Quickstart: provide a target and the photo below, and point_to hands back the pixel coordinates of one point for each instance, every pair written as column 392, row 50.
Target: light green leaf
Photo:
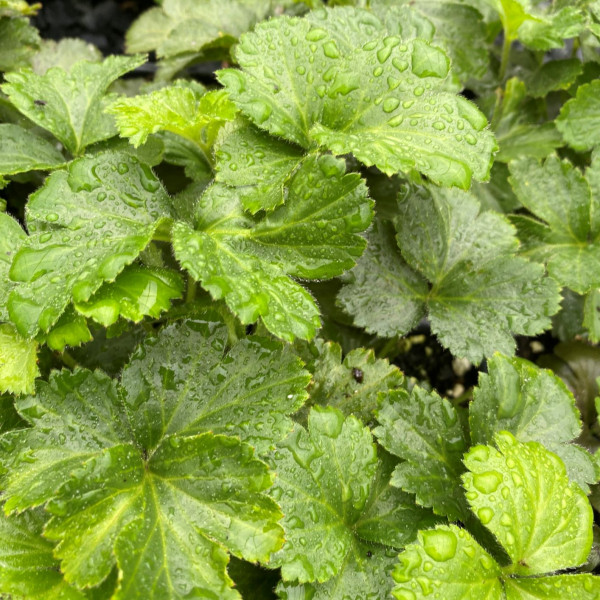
column 479, row 293
column 136, row 292
column 249, row 262
column 579, row 119
column 353, row 384
column 70, row 330
column 18, row 43
column 70, row 104
column 406, row 121
column 398, row 304
column 534, row 405
column 329, row 485
column 86, row 223
column 591, row 315
column 186, row 381
column 187, row 154
column 577, row 587
column 12, row 237
column 166, row 512
column 521, row 493
column 447, row 559
column 567, row 236
column 257, row 165
column 22, row 151
column 64, row 53
column 27, row 567
column 553, row 75
column 423, row 429
column 181, row 109
column 18, row 361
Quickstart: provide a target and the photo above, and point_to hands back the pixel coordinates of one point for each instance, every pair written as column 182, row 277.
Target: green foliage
column 255, row 343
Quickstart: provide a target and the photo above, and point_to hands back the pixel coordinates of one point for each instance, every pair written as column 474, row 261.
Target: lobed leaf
column 579, row 119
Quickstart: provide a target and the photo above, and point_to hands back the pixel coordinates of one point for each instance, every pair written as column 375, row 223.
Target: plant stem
column 191, row 289
column 506, row 45
column 162, row 233
column 68, row 360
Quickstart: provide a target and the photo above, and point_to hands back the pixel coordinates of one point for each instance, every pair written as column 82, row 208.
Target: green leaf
column 249, row 262
column 457, row 28
column 578, row 587
column 163, row 503
column 86, row 223
column 64, row 53
column 257, row 165
column 479, row 293
column 405, row 122
column 423, row 429
column 28, row 568
column 579, row 119
column 591, row 315
column 18, row 43
column 534, row 405
column 70, row 330
column 447, row 559
column 521, row 493
column 335, row 497
column 136, row 292
column 181, row 109
column 18, row 361
column 353, row 384
column 22, row 151
column 185, row 381
column 553, row 75
column 567, row 235
column 17, row 8
column 384, row 294
column 70, row 104
column 12, row 237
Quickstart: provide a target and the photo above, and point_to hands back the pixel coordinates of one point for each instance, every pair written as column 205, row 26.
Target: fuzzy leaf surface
column 565, row 233
column 70, row 105
column 301, row 81
column 23, row 150
column 248, row 262
column 164, row 504
column 335, row 494
column 532, row 404
column 521, row 493
column 579, row 119
column 136, row 292
column 18, row 361
column 423, row 429
column 86, row 224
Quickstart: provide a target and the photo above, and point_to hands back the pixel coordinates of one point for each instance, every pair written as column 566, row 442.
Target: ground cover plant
column 300, row 300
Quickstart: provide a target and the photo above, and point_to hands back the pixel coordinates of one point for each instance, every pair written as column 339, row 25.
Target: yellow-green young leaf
column 448, row 560
column 521, row 493
column 555, row 587
column 182, row 108
column 565, row 230
column 534, row 405
column 137, row 292
column 258, row 166
column 479, row 293
column 18, row 361
column 336, row 498
column 12, row 237
column 86, row 224
column 140, row 477
column 70, row 105
column 424, row 431
column 27, row 567
column 22, row 151
column 579, row 119
column 248, row 262
column 17, row 8
column 18, row 43
column 353, row 384
column 304, row 80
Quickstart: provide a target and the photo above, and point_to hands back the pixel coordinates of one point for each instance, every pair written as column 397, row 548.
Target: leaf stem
column 190, row 294
column 506, row 45
column 68, row 360
column 162, row 233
